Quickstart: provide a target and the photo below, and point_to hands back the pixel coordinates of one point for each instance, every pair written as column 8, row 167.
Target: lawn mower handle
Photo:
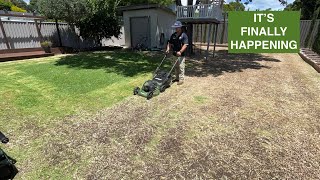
column 155, row 72
column 174, row 66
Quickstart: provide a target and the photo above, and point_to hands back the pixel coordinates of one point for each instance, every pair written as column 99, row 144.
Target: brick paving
column 311, row 58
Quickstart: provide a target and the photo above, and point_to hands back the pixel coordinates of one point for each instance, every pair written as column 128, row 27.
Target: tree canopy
column 234, row 6
column 100, row 21
column 68, row 10
column 133, row 2
column 13, row 5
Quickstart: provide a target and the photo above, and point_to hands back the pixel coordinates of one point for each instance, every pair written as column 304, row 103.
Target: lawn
column 54, row 87
column 238, row 116
column 37, row 94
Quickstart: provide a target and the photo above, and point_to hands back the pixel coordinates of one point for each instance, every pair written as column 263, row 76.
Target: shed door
column 140, row 31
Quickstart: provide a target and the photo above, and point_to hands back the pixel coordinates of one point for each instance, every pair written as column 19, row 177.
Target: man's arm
column 185, row 45
column 168, row 47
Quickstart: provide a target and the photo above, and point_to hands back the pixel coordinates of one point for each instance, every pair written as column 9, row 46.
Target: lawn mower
column 159, row 83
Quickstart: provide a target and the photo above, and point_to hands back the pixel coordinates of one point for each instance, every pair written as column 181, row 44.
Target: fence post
column 215, row 40
column 208, row 39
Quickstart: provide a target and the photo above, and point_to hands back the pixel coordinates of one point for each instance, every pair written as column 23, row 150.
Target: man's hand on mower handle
column 167, row 51
column 178, row 53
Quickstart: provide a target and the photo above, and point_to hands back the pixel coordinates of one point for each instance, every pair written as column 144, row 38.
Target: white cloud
column 264, row 4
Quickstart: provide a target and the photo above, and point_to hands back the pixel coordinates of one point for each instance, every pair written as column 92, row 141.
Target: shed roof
column 145, row 6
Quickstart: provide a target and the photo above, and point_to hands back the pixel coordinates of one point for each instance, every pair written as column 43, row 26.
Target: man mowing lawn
column 178, row 43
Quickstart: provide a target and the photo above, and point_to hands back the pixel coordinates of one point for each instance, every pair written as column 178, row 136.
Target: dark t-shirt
column 178, row 42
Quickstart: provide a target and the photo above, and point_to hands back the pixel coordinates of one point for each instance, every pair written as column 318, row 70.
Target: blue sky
column 256, row 4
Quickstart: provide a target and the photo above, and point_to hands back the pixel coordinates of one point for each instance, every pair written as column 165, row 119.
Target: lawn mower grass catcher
column 159, row 83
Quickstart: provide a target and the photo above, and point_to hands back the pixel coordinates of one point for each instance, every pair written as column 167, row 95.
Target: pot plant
column 46, row 45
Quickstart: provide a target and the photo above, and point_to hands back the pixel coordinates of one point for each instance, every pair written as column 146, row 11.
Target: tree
column 67, row 10
column 161, row 2
column 308, row 8
column 233, row 6
column 33, row 6
column 316, row 14
column 20, row 4
column 100, row 21
column 17, row 9
column 5, row 5
column 295, row 6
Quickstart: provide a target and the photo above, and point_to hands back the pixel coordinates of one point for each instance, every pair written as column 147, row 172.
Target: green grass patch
column 41, row 93
column 65, row 85
column 200, row 99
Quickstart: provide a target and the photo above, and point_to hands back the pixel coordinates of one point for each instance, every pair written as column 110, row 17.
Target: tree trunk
column 221, row 4
column 58, row 31
column 190, row 34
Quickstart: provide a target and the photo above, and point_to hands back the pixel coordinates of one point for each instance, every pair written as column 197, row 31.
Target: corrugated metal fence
column 23, row 34
column 200, row 32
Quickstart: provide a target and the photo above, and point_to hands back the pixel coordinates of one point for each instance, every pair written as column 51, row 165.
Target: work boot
column 180, row 83
column 175, row 80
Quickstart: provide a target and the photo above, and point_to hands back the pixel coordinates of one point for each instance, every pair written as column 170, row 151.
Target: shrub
column 17, row 9
column 46, row 44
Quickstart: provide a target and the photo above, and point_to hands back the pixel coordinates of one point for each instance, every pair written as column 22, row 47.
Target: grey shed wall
column 165, row 21
column 160, row 22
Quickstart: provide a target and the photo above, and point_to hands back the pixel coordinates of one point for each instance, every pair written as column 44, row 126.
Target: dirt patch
column 236, row 117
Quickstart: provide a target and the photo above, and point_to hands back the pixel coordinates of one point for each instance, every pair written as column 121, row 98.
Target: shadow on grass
column 120, row 62
column 131, row 63
column 225, row 63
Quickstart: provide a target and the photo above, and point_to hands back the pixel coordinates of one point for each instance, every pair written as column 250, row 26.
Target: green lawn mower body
column 154, row 87
column 158, row 84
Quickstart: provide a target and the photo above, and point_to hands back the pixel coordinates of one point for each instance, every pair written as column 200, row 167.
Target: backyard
column 237, row 116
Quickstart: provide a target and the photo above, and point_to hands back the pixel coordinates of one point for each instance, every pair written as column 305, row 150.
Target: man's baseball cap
column 177, row 24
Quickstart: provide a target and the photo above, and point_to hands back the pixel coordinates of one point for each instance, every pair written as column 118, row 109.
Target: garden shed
column 149, row 25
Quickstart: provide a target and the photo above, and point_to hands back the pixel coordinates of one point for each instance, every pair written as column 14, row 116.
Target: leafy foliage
column 234, row 6
column 17, row 9
column 100, row 21
column 295, row 6
column 33, row 6
column 20, row 3
column 5, row 5
column 308, row 8
column 133, row 2
column 69, row 11
column 13, row 5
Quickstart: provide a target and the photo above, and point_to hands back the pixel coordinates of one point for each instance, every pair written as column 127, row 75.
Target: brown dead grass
column 236, row 117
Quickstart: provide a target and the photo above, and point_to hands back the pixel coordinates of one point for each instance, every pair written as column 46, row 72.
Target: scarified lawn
column 237, row 116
